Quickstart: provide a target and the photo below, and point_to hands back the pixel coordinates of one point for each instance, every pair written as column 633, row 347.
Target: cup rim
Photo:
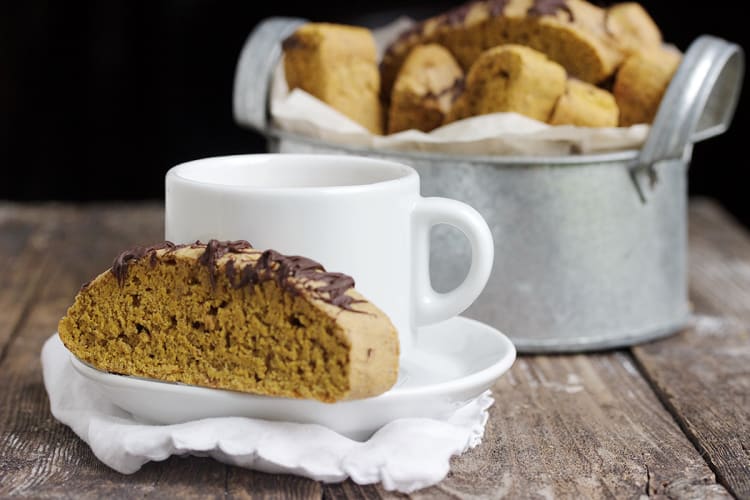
column 401, row 173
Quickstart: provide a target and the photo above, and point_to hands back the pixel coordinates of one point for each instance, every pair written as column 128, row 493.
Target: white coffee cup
column 360, row 216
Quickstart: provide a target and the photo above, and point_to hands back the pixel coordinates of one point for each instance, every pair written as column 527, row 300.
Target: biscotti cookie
column 425, row 89
column 225, row 315
column 641, row 82
column 571, row 32
column 632, row 28
column 337, row 64
column 585, row 105
column 511, row 78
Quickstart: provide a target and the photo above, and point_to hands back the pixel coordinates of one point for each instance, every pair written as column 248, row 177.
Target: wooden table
column 669, row 418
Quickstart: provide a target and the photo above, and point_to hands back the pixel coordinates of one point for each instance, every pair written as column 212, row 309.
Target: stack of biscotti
column 515, row 78
column 557, row 61
column 225, row 315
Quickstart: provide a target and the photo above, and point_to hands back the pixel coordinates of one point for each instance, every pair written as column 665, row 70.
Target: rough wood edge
column 45, row 217
column 717, row 221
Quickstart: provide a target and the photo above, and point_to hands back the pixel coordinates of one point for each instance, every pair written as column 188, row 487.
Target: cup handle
column 432, row 306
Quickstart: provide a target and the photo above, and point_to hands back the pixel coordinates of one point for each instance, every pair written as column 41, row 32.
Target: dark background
column 99, row 99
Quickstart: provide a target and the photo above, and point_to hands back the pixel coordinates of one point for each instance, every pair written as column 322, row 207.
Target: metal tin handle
column 699, row 103
column 255, row 69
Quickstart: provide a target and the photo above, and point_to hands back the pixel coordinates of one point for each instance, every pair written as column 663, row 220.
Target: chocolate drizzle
column 457, row 16
column 414, row 30
column 292, row 42
column 122, row 261
column 454, row 90
column 336, row 287
column 550, row 8
column 292, row 273
column 497, row 7
column 217, row 249
column 459, row 86
column 453, row 17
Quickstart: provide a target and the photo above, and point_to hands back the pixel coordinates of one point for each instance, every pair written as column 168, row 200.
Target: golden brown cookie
column 425, row 89
column 632, row 28
column 227, row 316
column 570, row 32
column 511, row 78
column 641, row 82
column 585, row 105
column 337, row 64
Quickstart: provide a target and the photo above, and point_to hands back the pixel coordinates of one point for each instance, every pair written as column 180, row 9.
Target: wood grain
column 578, row 427
column 703, row 374
column 581, row 426
column 24, row 235
column 246, row 484
column 348, row 490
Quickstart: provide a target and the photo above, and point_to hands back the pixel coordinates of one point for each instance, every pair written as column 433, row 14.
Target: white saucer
column 455, row 361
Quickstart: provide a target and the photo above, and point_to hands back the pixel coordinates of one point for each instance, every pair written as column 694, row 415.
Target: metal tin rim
column 629, row 156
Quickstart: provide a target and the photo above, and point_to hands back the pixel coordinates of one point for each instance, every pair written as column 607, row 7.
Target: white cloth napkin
column 404, row 455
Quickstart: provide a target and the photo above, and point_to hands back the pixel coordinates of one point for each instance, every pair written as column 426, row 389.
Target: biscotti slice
column 632, row 28
column 425, row 89
column 511, row 78
column 585, row 105
column 570, row 32
column 641, row 82
column 227, row 316
column 337, row 64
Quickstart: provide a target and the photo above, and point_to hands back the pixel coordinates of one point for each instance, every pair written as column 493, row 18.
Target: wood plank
column 246, row 484
column 24, row 235
column 348, row 490
column 719, row 259
column 578, row 427
column 702, row 374
column 41, row 457
column 185, row 478
column 573, row 426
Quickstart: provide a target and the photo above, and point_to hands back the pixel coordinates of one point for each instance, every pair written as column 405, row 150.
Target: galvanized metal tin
column 591, row 250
